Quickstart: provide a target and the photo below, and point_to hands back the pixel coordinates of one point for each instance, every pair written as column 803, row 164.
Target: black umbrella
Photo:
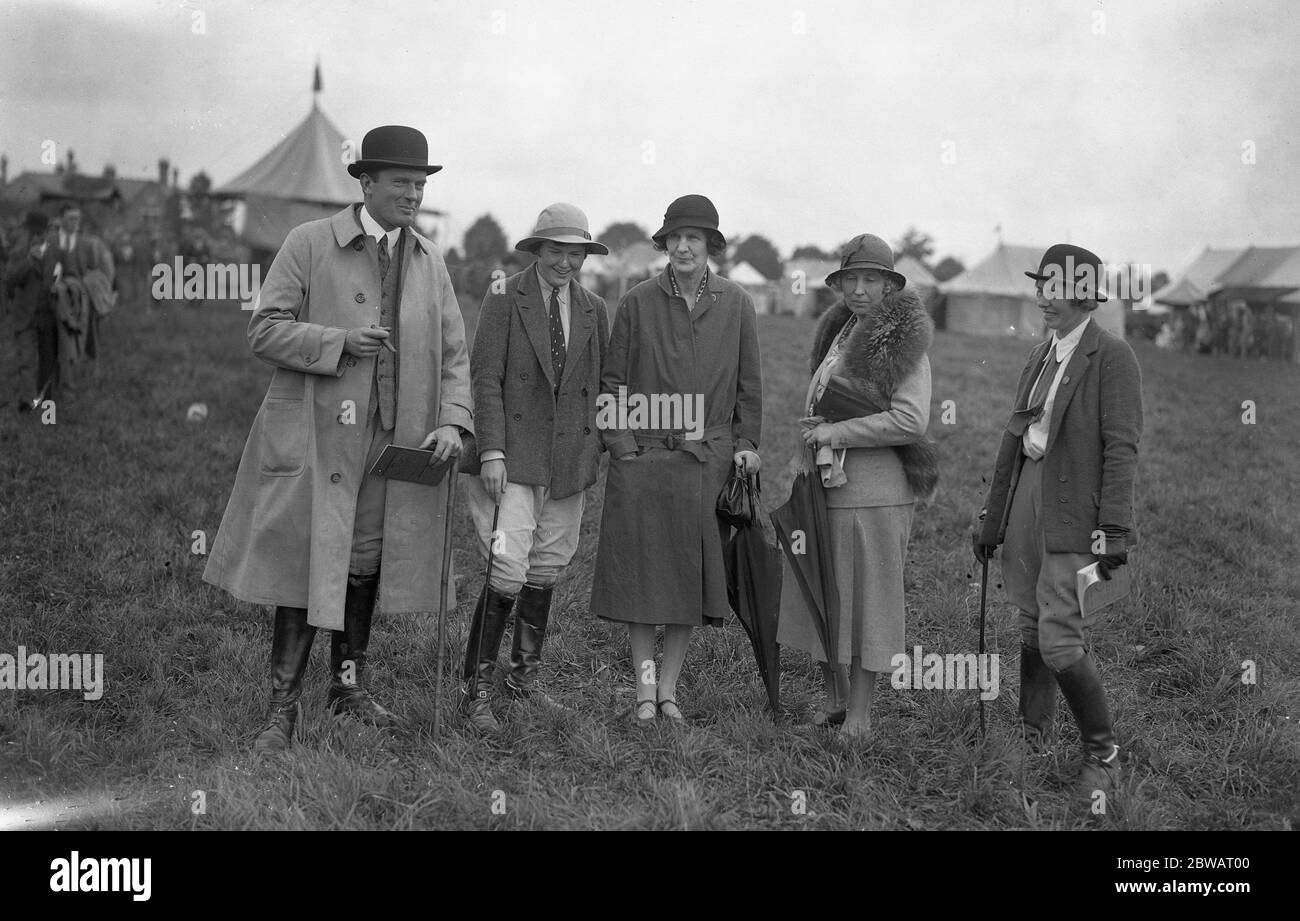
column 754, row 591
column 802, row 526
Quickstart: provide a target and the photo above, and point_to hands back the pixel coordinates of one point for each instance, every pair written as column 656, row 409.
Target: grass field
column 95, row 556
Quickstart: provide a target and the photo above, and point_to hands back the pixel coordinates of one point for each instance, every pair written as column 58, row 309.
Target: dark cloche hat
column 393, row 145
column 689, row 211
column 867, row 251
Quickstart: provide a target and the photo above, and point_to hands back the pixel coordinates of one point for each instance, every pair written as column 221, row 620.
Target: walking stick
column 984, row 596
column 442, row 592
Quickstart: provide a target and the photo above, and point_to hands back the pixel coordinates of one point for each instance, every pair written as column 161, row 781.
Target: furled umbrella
column 754, row 591
column 803, row 528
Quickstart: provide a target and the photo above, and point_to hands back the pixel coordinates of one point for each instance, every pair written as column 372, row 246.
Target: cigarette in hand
column 384, row 342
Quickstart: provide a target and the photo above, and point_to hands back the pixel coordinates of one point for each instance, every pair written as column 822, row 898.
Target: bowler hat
column 392, row 145
column 561, row 223
column 867, row 251
column 689, row 211
column 1078, row 269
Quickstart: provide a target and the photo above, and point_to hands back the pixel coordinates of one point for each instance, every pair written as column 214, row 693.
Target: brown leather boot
column 532, row 611
column 1083, row 691
column 290, row 650
column 485, row 631
column 348, row 695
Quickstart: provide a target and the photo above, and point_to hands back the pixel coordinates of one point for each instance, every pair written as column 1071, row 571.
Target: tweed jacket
column 549, row 439
column 1090, row 465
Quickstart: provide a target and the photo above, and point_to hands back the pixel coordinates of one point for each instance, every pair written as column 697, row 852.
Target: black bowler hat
column 689, row 211
column 393, row 145
column 1069, row 262
column 36, row 222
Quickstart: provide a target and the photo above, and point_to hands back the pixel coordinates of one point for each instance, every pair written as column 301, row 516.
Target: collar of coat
column 347, row 227
column 526, row 284
column 881, row 349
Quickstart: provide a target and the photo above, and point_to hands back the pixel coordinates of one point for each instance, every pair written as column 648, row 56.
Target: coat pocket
column 284, row 437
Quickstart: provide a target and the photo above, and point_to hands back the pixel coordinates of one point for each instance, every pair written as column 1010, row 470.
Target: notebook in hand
column 1096, row 593
column 415, row 465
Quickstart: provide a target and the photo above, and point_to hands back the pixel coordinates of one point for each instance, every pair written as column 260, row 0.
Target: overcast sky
column 1121, row 126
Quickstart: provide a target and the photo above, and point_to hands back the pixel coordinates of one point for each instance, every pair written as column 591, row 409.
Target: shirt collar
column 1065, row 346
column 372, row 229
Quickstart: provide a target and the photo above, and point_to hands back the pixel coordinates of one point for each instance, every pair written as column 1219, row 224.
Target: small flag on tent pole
column 315, row 84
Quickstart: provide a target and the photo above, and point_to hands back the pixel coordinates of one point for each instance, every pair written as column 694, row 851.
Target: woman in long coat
column 873, row 469
column 686, row 338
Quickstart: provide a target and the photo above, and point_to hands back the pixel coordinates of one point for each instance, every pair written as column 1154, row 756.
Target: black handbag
column 737, row 503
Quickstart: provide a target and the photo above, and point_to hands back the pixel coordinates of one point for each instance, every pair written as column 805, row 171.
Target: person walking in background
column 1061, row 489
column 31, row 324
column 536, row 363
column 691, row 336
column 358, row 318
column 875, row 338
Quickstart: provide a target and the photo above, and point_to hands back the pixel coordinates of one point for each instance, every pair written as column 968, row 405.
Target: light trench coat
column 286, row 537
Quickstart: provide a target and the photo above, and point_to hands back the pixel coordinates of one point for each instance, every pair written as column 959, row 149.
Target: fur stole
column 880, row 351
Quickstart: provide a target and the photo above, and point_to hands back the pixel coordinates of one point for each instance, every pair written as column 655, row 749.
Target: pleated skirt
column 869, row 551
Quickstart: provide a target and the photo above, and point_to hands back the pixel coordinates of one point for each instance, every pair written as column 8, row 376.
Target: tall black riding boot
column 532, row 610
column 1083, row 691
column 1037, row 698
column 290, row 649
column 348, row 694
column 481, row 648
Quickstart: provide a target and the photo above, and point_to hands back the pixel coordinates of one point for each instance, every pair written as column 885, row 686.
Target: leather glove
column 1117, row 557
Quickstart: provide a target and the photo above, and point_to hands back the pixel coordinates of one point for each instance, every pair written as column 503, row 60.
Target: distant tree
column 1158, row 281
column 204, row 213
column 622, row 234
column 948, row 268
column 452, row 256
column 485, row 241
column 809, row 251
column 759, row 252
column 920, row 246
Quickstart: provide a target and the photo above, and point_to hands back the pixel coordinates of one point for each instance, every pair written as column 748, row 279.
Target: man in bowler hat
column 537, row 358
column 1062, row 498
column 359, row 320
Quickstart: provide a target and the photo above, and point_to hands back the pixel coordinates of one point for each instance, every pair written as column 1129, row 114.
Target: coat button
column 523, row 375
column 1066, row 379
column 584, row 391
column 517, row 417
column 360, row 298
column 334, row 477
column 586, row 430
column 1062, row 499
column 1062, row 479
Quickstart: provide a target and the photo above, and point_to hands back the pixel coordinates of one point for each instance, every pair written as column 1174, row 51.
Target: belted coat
column 660, row 555
column 286, row 536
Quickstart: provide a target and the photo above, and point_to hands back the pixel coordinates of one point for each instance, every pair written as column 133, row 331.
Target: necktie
column 557, row 337
column 384, row 260
column 1038, row 398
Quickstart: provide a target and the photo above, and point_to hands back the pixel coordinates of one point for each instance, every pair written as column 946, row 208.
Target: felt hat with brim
column 561, row 223
column 1078, row 271
column 392, row 146
column 690, row 211
column 867, row 251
